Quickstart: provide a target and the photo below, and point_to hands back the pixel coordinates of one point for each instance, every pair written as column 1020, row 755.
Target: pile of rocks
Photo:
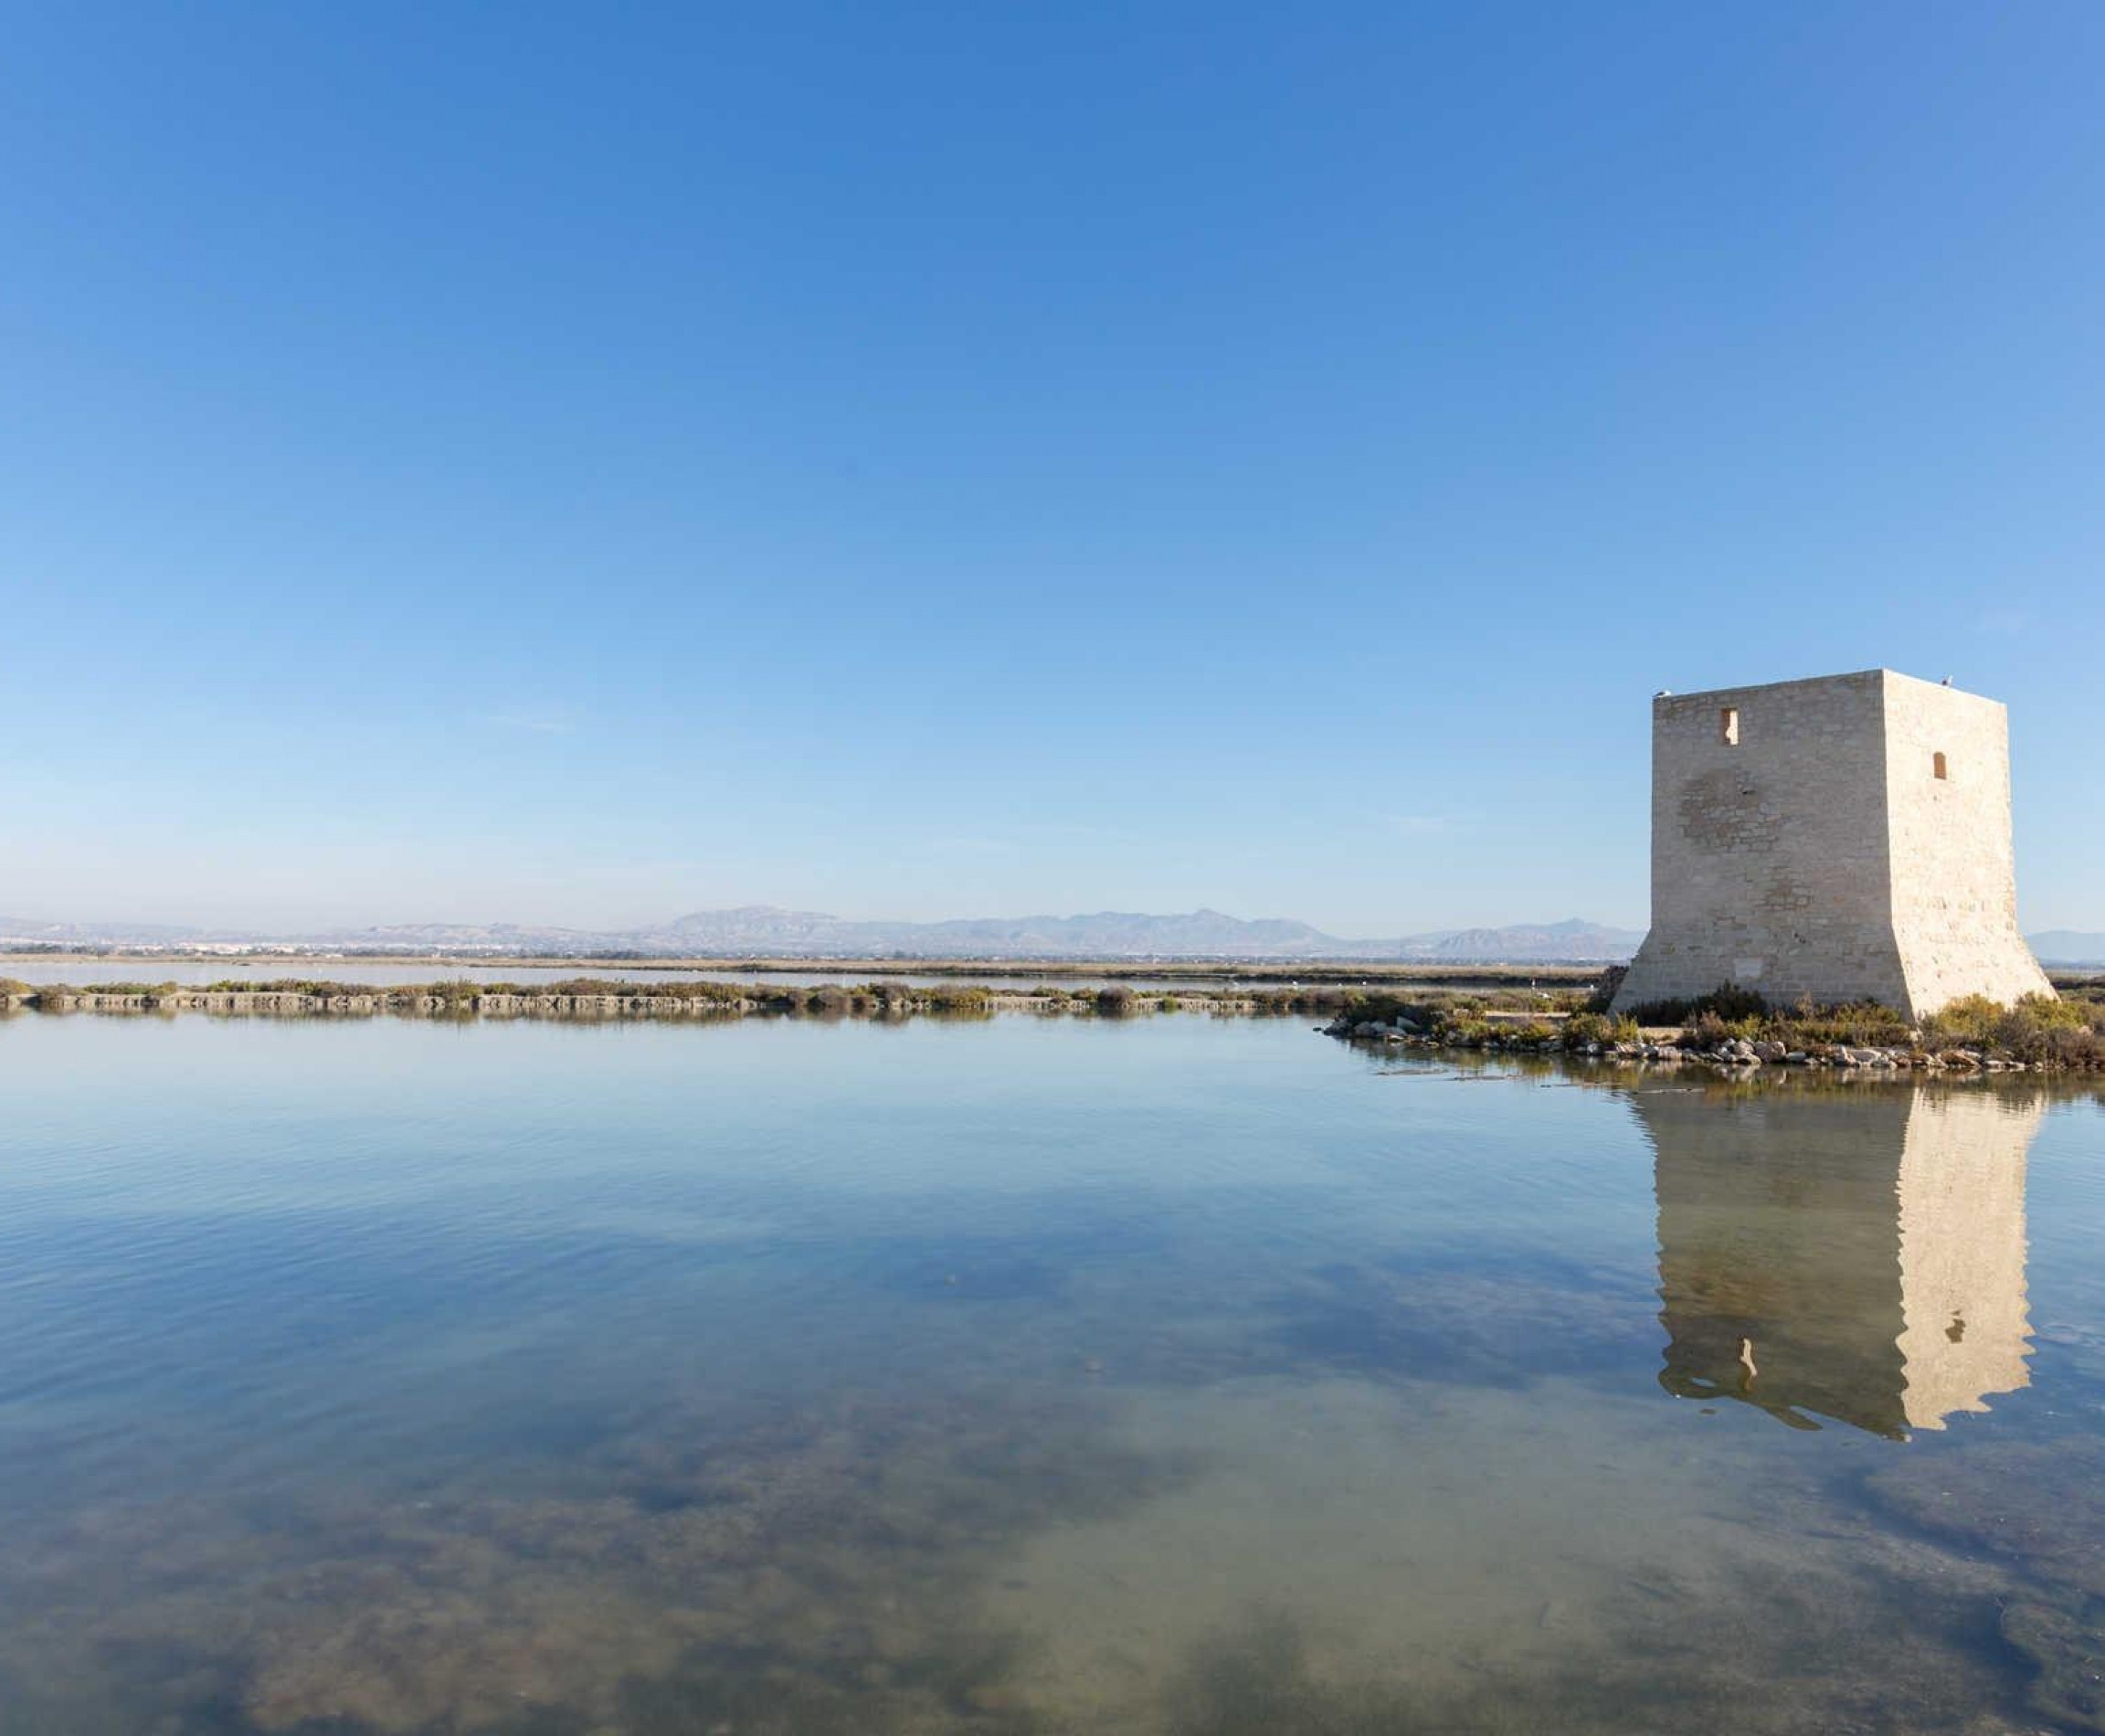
column 1515, row 1040
column 1372, row 1030
column 1741, row 1053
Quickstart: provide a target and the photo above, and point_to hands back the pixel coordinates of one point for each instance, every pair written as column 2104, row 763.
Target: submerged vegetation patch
column 1834, row 1650
column 2030, row 1510
column 1446, row 1322
column 804, row 1571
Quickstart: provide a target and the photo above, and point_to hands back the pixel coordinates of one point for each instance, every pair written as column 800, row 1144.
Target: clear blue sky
column 584, row 464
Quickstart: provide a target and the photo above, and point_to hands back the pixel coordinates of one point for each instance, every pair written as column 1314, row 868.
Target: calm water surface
column 1178, row 1377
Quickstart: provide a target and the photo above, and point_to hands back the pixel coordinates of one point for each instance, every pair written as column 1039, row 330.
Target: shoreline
column 1452, row 1030
column 599, row 999
column 1735, row 1059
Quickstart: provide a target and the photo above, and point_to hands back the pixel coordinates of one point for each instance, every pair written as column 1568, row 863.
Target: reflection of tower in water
column 1858, row 1255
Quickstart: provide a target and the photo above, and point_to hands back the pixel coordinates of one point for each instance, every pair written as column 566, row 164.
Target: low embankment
column 1733, row 1030
column 1728, row 1030
column 613, row 998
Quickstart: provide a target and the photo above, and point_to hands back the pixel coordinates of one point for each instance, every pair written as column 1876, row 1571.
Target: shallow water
column 1168, row 1376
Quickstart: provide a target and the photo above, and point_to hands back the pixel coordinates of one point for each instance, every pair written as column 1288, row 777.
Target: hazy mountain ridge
column 29, row 931
column 768, row 931
column 1574, row 939
column 1108, row 934
column 2067, row 946
column 756, row 931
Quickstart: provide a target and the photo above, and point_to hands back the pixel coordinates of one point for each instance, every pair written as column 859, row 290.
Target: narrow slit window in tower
column 1729, row 727
column 1938, row 768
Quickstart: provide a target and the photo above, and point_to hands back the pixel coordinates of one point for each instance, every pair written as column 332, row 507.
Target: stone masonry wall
column 1955, row 880
column 1817, row 855
column 1769, row 856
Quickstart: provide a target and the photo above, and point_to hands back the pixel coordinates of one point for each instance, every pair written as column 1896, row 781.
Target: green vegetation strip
column 1734, row 1028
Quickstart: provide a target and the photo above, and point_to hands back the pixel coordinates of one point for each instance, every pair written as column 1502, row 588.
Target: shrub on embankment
column 317, row 986
column 1520, row 1018
column 2039, row 1030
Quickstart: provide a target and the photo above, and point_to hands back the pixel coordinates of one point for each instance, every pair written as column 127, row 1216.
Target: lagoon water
column 1178, row 1376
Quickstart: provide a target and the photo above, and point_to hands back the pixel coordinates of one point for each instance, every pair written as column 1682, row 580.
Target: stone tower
column 1844, row 839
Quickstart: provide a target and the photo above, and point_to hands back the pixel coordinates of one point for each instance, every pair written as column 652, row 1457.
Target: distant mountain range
column 757, row 931
column 22, row 931
column 2067, row 946
column 766, row 931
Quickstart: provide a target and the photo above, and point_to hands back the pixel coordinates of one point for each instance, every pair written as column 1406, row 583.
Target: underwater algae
column 809, row 1571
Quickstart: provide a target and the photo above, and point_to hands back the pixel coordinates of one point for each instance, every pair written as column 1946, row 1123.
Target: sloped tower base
column 1916, row 980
